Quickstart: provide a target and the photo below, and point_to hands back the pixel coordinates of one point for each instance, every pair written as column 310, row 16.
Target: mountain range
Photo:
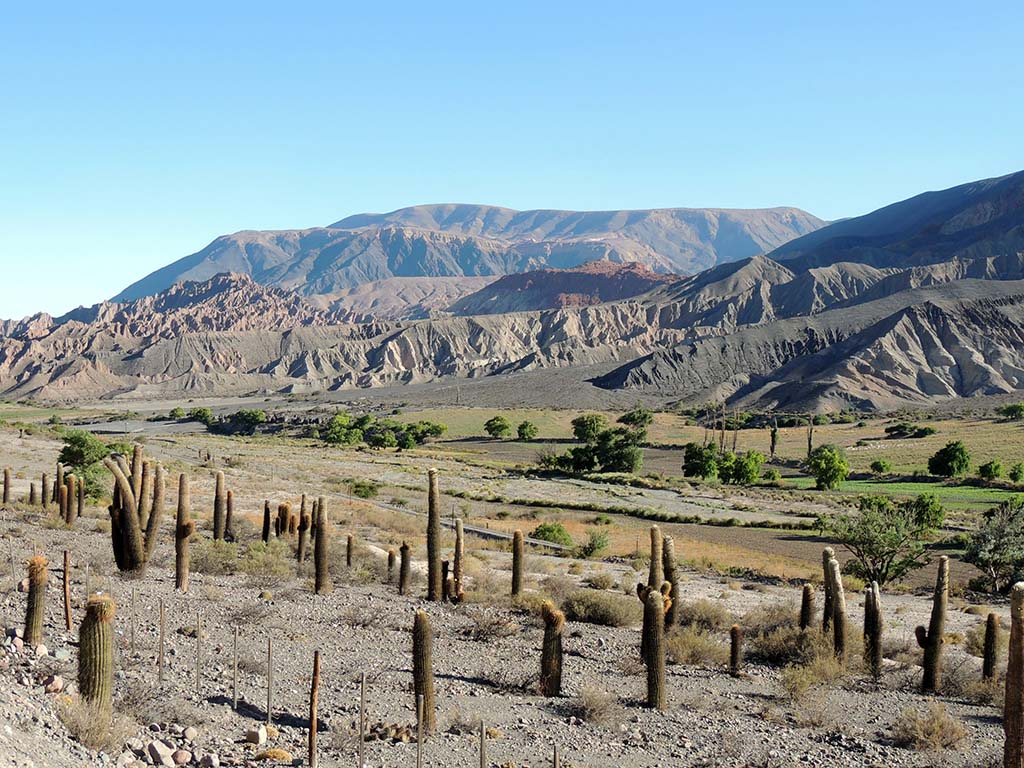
column 917, row 303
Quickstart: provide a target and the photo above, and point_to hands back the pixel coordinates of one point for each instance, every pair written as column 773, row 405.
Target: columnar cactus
column 551, row 650
column 146, row 490
column 219, row 508
column 81, row 497
column 656, row 574
column 45, row 489
column 7, row 485
column 807, row 606
column 931, row 639
column 873, row 629
column 293, row 522
column 37, row 578
column 423, row 668
column 305, row 523
column 32, row 498
column 446, row 583
column 132, row 544
column 183, row 529
column 392, row 556
column 988, row 668
column 458, row 567
column 59, row 481
column 517, row 563
column 156, row 510
column 838, row 610
column 266, row 522
column 62, row 503
column 72, row 500
column 668, row 557
column 735, row 650
column 1013, row 704
column 322, row 578
column 404, row 569
column 349, row 546
column 827, row 555
column 653, row 643
column 96, row 653
column 434, row 585
column 229, row 515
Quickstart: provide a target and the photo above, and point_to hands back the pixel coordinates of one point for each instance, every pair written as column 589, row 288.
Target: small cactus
column 183, row 529
column 7, row 485
column 219, row 508
column 1013, row 704
column 45, row 491
column 349, row 546
column 423, row 668
column 446, row 583
column 932, row 639
column 81, row 497
column 807, row 606
column 62, row 503
column 265, row 535
column 305, row 523
column 653, row 643
column 96, row 653
column 656, row 574
column 873, row 629
column 405, row 569
column 517, row 563
column 32, row 498
column 322, row 580
column 838, row 610
column 551, row 650
column 827, row 555
column 736, row 650
column 434, row 584
column 392, row 556
column 36, row 608
column 988, row 669
column 668, row 557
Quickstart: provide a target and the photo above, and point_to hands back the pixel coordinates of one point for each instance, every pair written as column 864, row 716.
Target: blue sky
column 132, row 134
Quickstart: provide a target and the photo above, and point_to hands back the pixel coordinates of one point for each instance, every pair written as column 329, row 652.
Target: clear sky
column 133, row 133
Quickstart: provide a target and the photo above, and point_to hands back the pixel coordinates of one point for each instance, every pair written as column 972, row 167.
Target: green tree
column 618, row 450
column 638, row 419
column 828, row 466
column 176, row 414
column 886, row 539
column 381, row 437
column 527, row 430
column 83, row 455
column 746, row 468
column 991, row 470
column 1017, row 472
column 1012, row 411
column 246, row 421
column 587, row 427
column 340, row 431
column 700, row 461
column 881, row 467
column 497, row 427
column 202, row 415
column 952, row 460
column 997, row 547
column 553, row 532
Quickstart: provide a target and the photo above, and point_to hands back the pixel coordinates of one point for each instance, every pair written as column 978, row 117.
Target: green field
column 965, row 497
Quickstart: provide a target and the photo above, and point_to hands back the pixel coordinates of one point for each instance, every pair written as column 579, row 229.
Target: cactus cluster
column 134, row 518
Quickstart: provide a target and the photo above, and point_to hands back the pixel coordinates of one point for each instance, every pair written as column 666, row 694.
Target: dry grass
column 933, row 729
column 695, row 646
column 485, row 625
column 91, row 728
column 705, row 615
column 600, row 580
column 822, row 669
column 596, row 705
column 604, row 608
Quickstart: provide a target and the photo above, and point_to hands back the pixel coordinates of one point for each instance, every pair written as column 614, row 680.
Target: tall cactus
column 434, row 585
column 404, row 569
column 668, row 557
column 7, row 485
column 931, row 639
column 45, row 491
column 654, row 649
column 145, row 492
column 656, row 574
column 1013, row 704
column 62, row 503
column 219, row 507
column 81, row 497
column 96, row 653
column 183, row 529
column 838, row 610
column 806, row 606
column 38, row 575
column 229, row 517
column 265, row 535
column 72, row 500
column 551, row 650
column 305, row 523
column 873, row 629
column 517, row 563
column 423, row 668
column 458, row 566
column 58, row 482
column 392, row 557
column 988, row 668
column 322, row 577
column 349, row 547
column 132, row 542
column 735, row 650
column 32, row 498
column 827, row 555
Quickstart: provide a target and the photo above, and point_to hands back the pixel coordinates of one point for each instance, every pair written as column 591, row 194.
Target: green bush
column 527, row 430
column 881, row 467
column 553, row 532
column 597, row 542
column 364, row 489
column 991, row 470
column 952, row 460
column 176, row 414
column 828, row 466
column 1017, row 472
column 604, row 608
column 498, row 427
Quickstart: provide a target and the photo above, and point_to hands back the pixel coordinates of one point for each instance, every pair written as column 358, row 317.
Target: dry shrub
column 217, row 558
column 705, row 615
column 695, row 646
column 600, row 580
column 932, row 730
column 354, row 616
column 272, row 560
column 822, row 669
column 773, row 636
column 962, row 680
column 596, row 705
column 559, row 587
column 485, row 625
column 88, row 726
column 974, row 641
column 604, row 608
column 148, row 704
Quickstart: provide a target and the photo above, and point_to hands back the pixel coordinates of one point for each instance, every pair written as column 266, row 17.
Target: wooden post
column 554, row 760
column 483, row 744
column 234, row 671
column 270, row 676
column 160, row 655
column 314, row 692
column 362, row 717
column 419, row 731
column 67, row 590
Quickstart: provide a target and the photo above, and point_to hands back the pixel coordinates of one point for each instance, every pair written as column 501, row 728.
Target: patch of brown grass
column 695, row 646
column 92, row 728
column 933, row 729
column 596, row 705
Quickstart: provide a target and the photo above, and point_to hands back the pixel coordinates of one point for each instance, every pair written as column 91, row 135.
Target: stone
column 125, row 758
column 272, row 732
column 23, row 585
column 190, row 733
column 160, row 754
column 41, row 650
column 181, row 756
column 53, row 684
column 257, row 735
column 210, row 760
column 62, row 654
